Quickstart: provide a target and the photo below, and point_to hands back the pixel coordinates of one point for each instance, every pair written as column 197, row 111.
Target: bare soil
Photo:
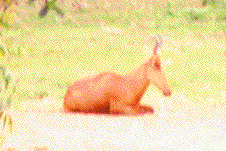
column 166, row 129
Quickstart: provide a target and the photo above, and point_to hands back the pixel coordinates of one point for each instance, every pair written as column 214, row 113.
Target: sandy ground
column 163, row 130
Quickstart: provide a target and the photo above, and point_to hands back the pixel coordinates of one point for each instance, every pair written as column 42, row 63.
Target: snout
column 167, row 92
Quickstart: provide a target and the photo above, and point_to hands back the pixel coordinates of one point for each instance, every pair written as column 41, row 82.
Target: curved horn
column 158, row 42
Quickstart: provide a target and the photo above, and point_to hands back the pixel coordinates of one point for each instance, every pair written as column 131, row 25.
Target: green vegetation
column 50, row 53
column 7, row 90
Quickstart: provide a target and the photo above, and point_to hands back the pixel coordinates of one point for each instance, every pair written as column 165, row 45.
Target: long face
column 157, row 76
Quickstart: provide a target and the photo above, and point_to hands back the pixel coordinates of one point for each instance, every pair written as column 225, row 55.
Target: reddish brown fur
column 110, row 93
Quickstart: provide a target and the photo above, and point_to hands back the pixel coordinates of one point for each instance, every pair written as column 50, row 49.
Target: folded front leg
column 125, row 110
column 146, row 109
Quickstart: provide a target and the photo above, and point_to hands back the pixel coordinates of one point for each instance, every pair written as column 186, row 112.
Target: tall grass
column 7, row 90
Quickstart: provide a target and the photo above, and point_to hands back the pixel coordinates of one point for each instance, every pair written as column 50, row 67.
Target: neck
column 138, row 81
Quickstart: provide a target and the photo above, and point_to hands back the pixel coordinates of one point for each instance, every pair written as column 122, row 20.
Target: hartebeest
column 110, row 93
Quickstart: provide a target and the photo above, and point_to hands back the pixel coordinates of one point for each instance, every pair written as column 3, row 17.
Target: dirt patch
column 60, row 131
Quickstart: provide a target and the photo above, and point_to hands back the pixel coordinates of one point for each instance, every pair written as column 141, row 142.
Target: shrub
column 7, row 90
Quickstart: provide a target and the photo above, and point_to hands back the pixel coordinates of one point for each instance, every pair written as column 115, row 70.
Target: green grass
column 53, row 57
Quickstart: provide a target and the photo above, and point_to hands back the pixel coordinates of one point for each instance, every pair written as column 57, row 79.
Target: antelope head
column 155, row 72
